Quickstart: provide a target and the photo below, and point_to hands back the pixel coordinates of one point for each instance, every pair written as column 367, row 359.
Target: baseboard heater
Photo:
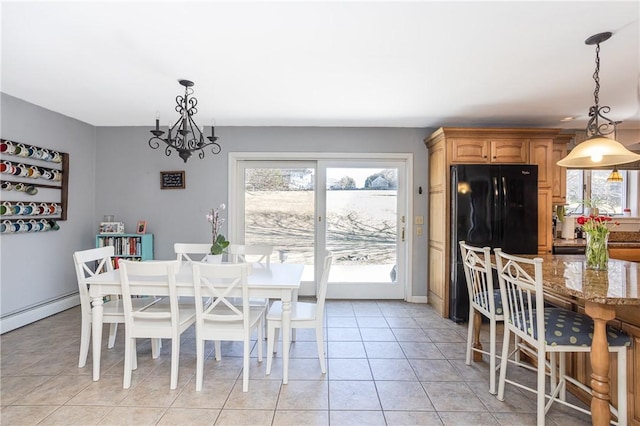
column 38, row 311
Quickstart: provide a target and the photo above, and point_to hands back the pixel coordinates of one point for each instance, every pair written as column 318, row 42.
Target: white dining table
column 276, row 281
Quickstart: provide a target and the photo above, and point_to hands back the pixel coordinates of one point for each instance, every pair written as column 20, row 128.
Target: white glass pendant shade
column 598, row 151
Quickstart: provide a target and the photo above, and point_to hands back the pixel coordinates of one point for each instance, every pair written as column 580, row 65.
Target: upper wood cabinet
column 475, row 150
column 559, row 175
column 541, row 154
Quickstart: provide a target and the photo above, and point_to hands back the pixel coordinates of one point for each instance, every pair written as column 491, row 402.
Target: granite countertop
column 567, row 275
column 616, row 240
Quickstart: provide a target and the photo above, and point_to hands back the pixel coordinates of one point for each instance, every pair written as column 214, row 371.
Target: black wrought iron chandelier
column 185, row 136
column 598, row 150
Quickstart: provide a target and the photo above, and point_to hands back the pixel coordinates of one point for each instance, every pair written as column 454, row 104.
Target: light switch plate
column 419, row 220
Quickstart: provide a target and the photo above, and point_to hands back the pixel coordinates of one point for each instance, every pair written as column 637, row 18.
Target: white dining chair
column 191, row 252
column 552, row 331
column 223, row 319
column 483, row 298
column 254, row 253
column 89, row 263
column 159, row 321
column 305, row 315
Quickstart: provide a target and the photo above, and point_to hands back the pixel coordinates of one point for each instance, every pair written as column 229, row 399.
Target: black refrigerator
column 494, row 206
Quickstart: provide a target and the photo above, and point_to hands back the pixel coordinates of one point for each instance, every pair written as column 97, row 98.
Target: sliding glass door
column 356, row 209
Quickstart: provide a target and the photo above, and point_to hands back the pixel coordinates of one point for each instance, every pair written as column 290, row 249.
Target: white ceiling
column 339, row 63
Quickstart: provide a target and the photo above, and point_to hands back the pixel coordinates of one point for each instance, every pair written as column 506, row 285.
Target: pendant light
column 615, row 175
column 598, row 150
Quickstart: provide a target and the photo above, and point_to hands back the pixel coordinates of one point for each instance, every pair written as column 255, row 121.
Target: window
column 609, row 197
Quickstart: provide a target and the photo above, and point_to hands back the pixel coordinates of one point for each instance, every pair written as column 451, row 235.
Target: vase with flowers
column 597, row 229
column 218, row 240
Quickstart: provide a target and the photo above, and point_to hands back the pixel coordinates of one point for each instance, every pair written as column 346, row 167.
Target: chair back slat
column 255, row 253
column 521, row 288
column 479, row 277
column 144, row 273
column 89, row 263
column 323, row 284
column 191, row 252
column 220, row 281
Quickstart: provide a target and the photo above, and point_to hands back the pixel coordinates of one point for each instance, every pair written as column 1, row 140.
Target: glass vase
column 596, row 250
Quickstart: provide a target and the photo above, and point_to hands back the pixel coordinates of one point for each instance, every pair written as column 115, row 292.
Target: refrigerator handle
column 504, row 207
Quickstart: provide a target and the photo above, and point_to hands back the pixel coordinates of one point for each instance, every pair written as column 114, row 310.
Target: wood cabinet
column 545, row 225
column 449, row 146
column 483, row 151
column 559, row 174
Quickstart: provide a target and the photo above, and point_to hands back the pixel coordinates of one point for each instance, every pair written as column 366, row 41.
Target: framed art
column 142, row 227
column 172, row 180
column 111, row 228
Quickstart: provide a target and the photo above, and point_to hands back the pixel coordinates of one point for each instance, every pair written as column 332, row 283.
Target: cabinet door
column 510, row 151
column 559, row 176
column 541, row 154
column 469, row 150
column 544, row 221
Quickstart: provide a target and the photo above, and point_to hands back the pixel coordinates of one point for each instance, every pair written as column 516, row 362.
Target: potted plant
column 218, row 241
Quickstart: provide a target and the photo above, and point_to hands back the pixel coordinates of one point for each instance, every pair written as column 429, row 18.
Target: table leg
column 96, row 331
column 286, row 335
column 600, row 388
column 477, row 322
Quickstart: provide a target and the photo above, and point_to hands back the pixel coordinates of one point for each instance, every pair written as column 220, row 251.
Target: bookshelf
column 128, row 246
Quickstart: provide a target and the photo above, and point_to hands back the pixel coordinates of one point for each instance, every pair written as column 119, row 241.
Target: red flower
column 581, row 220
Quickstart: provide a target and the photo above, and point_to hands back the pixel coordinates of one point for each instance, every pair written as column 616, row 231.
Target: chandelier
column 184, row 136
column 598, row 150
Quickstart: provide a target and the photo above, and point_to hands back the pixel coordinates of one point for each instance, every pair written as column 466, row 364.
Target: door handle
column 402, row 234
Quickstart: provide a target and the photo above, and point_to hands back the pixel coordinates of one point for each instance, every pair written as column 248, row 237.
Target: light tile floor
column 389, row 362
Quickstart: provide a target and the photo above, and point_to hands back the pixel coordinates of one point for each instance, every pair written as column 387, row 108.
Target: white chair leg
column 540, row 399
column 271, row 331
column 492, row 357
column 259, row 343
column 85, row 339
column 175, row 360
column 503, row 364
column 216, row 345
column 275, row 340
column 563, row 373
column 245, row 366
column 134, row 355
column 129, row 345
column 199, row 364
column 622, row 387
column 113, row 331
column 470, row 336
column 516, row 356
column 156, row 345
column 320, row 344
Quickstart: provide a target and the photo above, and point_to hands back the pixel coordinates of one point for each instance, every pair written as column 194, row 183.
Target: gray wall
column 37, row 267
column 128, row 177
column 113, row 171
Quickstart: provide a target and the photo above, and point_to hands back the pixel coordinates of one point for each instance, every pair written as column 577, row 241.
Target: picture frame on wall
column 111, row 228
column 142, row 227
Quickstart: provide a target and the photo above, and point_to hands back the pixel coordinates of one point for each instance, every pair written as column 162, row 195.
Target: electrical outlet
column 419, row 220
column 418, row 230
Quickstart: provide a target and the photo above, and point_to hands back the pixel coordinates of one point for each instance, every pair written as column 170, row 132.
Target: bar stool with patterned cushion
column 564, row 332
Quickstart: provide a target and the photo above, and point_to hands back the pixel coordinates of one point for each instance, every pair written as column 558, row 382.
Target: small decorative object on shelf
column 218, row 241
column 597, row 230
column 111, row 228
column 142, row 227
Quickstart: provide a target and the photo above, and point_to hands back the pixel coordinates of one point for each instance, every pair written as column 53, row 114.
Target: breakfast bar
column 601, row 294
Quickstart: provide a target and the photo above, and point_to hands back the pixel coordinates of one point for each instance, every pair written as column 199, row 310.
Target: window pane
column 607, row 196
column 575, row 195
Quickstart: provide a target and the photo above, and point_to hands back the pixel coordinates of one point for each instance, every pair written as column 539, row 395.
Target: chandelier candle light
column 597, row 229
column 184, row 136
